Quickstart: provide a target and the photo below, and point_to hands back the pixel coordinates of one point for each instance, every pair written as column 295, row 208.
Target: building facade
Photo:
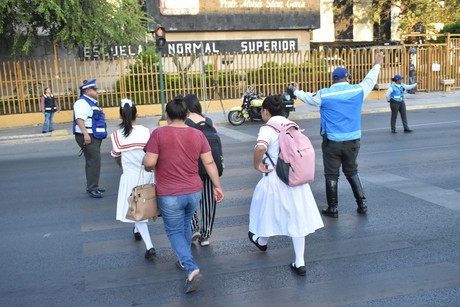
column 268, row 25
column 214, row 26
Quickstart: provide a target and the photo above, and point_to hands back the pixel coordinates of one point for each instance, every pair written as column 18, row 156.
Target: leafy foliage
column 416, row 14
column 453, row 28
column 71, row 22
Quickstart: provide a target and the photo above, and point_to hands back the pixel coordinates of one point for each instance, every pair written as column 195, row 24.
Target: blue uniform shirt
column 340, row 106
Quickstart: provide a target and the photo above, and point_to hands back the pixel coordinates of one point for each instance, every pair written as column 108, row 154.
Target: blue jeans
column 48, row 124
column 411, row 81
column 177, row 212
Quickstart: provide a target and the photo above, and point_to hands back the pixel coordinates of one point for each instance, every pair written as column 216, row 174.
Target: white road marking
column 240, row 136
column 430, row 193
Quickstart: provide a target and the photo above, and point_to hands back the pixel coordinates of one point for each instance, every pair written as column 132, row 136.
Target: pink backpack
column 296, row 160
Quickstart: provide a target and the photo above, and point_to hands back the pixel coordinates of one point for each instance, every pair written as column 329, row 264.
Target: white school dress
column 131, row 151
column 276, row 208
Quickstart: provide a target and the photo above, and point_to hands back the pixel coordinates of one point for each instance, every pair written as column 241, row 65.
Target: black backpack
column 214, row 142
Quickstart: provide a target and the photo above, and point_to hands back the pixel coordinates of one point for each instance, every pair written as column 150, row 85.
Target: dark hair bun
column 179, row 98
column 277, row 100
column 274, row 104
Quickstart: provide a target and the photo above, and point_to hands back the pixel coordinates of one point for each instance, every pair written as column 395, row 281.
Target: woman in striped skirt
column 208, row 201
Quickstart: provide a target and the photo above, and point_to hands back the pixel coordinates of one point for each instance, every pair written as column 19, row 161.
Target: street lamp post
column 162, row 86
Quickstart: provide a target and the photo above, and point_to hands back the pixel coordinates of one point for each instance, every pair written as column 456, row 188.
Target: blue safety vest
column 99, row 126
column 341, row 107
column 398, row 93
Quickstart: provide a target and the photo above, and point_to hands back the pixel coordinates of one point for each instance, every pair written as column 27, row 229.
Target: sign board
column 219, row 46
column 94, row 53
column 235, row 15
column 191, row 47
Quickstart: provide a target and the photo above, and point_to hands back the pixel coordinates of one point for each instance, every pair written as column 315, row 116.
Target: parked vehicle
column 251, row 107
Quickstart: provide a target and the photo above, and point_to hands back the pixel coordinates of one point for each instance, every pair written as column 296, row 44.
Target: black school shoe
column 301, row 271
column 256, row 242
column 94, row 193
column 150, row 254
column 101, row 190
column 137, row 235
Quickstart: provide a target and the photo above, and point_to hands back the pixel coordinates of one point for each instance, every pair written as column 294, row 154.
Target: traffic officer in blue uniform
column 340, row 109
column 395, row 96
column 90, row 129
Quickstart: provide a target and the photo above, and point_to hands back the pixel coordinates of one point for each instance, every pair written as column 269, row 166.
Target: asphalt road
column 61, row 248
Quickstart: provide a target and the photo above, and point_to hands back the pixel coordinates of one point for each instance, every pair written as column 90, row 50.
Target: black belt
column 344, row 142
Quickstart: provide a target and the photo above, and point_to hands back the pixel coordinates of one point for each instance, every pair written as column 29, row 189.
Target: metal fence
column 228, row 74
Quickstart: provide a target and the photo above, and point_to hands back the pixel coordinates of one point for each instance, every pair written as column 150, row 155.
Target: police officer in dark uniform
column 340, row 109
column 90, row 129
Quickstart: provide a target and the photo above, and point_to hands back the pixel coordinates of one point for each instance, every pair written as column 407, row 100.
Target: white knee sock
column 299, row 249
column 263, row 240
column 144, row 231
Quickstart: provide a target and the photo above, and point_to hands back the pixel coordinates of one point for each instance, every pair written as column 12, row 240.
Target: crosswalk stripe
column 229, row 195
column 236, row 135
column 439, row 196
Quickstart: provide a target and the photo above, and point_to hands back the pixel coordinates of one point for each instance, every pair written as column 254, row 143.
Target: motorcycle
column 251, row 107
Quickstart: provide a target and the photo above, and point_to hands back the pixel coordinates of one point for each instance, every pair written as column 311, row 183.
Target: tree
column 416, row 15
column 453, row 28
column 71, row 22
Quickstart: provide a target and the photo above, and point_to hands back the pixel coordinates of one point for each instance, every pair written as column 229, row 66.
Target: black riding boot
column 358, row 192
column 331, row 195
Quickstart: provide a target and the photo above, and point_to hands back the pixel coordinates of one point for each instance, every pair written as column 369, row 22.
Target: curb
column 55, row 135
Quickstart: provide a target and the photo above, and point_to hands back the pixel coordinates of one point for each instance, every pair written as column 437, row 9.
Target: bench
column 447, row 84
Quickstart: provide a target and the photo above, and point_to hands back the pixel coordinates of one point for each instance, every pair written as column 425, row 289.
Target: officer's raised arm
column 306, row 97
column 370, row 80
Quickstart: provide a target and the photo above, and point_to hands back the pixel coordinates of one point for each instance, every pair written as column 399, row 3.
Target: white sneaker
column 204, row 242
column 195, row 236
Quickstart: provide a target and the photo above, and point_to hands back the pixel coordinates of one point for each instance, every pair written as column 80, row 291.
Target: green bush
column 453, row 28
column 272, row 78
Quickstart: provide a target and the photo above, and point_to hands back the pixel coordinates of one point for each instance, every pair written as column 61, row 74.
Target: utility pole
column 160, row 40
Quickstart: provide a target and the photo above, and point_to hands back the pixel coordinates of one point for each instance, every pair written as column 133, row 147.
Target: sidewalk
column 419, row 100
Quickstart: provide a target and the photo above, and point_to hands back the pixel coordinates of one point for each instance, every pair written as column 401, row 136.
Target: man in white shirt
column 85, row 109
